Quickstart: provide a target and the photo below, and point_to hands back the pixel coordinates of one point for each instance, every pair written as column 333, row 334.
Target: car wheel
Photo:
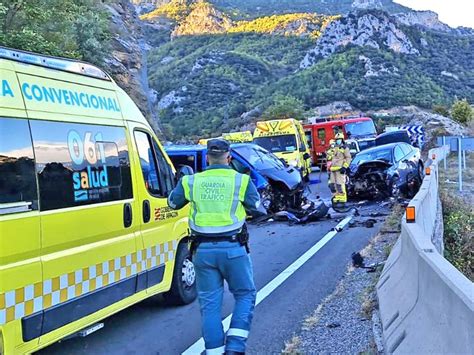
column 394, row 188
column 183, row 286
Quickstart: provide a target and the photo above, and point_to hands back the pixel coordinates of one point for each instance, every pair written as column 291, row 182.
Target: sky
column 453, row 12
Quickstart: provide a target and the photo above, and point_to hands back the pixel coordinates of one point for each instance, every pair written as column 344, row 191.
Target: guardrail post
column 464, row 159
column 460, row 163
column 444, row 162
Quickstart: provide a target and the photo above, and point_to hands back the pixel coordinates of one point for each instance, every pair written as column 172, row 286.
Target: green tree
column 461, row 111
column 441, row 110
column 284, row 107
column 69, row 28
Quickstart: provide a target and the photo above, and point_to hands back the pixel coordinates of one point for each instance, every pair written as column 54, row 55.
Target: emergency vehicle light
column 410, row 214
column 68, row 65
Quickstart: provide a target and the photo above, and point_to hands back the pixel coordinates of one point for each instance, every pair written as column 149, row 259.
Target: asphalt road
column 153, row 328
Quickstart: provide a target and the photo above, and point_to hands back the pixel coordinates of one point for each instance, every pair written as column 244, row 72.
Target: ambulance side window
column 18, row 189
column 157, row 173
column 167, row 175
column 80, row 164
column 148, row 163
column 302, row 146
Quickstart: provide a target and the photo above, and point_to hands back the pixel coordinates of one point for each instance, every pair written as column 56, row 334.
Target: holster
column 243, row 238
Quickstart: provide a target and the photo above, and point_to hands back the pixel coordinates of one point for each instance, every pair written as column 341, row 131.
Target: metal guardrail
column 426, row 304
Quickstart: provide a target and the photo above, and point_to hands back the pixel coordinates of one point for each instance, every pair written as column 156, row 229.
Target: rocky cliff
column 203, row 18
column 427, row 19
column 372, row 29
column 127, row 61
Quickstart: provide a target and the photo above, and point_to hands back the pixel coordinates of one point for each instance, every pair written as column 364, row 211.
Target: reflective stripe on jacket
column 341, row 157
column 216, row 198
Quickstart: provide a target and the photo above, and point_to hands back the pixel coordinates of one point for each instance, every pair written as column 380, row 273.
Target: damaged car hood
column 370, row 166
column 289, row 176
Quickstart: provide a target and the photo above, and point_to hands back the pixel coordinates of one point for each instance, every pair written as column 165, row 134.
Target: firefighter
column 219, row 198
column 329, row 155
column 340, row 161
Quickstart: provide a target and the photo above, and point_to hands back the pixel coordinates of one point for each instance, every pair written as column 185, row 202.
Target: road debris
column 368, row 223
column 359, row 262
column 310, row 212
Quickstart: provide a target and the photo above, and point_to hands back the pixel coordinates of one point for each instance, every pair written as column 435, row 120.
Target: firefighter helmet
column 339, row 135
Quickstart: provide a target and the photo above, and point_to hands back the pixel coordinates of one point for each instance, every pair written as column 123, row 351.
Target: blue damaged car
column 280, row 186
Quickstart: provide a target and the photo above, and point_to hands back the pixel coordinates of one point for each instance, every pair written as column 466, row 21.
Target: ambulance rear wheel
column 183, row 287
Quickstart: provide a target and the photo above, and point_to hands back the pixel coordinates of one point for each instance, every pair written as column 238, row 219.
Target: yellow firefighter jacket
column 340, row 157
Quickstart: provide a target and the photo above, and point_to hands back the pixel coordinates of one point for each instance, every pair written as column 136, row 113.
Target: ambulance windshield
column 278, row 144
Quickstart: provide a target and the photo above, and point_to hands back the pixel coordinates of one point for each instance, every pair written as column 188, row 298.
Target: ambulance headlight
column 293, row 163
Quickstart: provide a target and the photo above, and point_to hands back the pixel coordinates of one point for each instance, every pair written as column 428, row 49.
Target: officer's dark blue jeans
column 216, row 262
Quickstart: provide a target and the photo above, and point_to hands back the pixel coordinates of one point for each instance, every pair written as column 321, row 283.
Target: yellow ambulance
column 287, row 140
column 238, row 137
column 85, row 230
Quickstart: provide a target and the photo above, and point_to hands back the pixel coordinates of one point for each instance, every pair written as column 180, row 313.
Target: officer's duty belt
column 204, row 239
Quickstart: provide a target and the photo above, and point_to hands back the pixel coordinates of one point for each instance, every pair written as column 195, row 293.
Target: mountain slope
column 253, row 8
column 217, row 68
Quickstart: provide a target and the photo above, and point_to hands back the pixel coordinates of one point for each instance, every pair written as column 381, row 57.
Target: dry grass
column 393, row 221
column 312, row 320
column 292, row 346
column 369, row 297
column 449, row 178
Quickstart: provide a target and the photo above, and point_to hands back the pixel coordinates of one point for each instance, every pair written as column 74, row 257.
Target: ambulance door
column 20, row 265
column 161, row 227
column 89, row 223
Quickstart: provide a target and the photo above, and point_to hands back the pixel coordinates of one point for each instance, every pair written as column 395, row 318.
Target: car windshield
column 379, row 154
column 278, row 144
column 361, row 128
column 259, row 158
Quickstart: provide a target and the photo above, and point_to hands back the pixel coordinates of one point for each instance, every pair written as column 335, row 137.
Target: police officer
column 219, row 198
column 340, row 161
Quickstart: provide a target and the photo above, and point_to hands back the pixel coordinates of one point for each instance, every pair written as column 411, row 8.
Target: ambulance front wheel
column 183, row 287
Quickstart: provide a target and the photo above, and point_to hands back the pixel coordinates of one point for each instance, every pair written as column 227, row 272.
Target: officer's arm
column 177, row 199
column 252, row 201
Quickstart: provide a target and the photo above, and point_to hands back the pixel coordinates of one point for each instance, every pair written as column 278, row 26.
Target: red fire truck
column 321, row 130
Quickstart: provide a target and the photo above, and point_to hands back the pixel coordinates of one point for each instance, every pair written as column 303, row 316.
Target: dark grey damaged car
column 384, row 171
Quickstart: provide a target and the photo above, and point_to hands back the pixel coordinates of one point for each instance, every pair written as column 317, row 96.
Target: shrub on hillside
column 458, row 219
column 461, row 111
column 284, row 107
column 441, row 110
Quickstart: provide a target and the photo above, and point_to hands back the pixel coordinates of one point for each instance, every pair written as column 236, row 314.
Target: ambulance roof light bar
column 68, row 65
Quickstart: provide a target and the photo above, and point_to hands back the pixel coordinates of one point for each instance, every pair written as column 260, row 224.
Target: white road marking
column 198, row 347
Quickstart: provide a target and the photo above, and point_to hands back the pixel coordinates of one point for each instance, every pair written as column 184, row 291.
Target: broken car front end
column 370, row 180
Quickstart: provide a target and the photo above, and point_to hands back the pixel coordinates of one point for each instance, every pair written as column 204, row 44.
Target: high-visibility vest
column 216, row 198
